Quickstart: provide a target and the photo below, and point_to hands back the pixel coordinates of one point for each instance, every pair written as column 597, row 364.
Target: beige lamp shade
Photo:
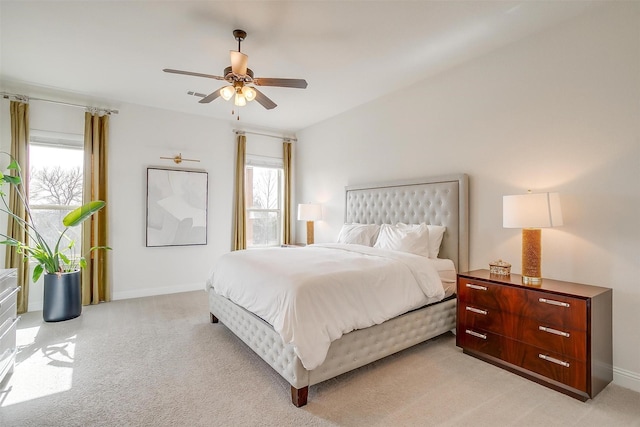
column 531, row 212
column 309, row 212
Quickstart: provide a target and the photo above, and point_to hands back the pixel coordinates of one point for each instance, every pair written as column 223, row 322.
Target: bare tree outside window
column 265, row 188
column 56, row 186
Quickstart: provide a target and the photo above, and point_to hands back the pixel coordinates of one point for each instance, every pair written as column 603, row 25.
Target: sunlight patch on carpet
column 44, row 369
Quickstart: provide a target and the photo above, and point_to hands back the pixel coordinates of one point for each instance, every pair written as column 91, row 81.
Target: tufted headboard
column 442, row 200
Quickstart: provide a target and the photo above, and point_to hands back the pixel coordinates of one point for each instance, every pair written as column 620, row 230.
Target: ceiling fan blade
column 238, row 62
column 293, row 83
column 201, row 95
column 213, row 95
column 264, row 100
column 190, row 73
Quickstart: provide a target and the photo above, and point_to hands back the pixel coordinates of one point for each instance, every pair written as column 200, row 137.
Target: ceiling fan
column 241, row 79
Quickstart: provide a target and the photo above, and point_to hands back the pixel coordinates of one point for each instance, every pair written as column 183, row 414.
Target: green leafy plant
column 62, row 257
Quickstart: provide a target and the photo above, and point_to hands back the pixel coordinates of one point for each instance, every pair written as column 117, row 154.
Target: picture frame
column 177, row 202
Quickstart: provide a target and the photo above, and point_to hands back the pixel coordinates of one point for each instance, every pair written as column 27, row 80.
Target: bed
column 439, row 200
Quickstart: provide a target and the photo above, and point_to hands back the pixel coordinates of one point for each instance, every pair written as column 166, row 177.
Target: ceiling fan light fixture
column 249, row 93
column 240, row 100
column 227, row 92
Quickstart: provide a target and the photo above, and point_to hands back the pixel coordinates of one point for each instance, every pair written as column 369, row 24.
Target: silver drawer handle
column 554, row 302
column 15, row 320
column 13, row 291
column 554, row 331
column 477, row 287
column 476, row 310
column 553, row 360
column 476, row 334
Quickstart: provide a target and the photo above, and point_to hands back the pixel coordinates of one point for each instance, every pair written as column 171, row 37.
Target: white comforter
column 313, row 295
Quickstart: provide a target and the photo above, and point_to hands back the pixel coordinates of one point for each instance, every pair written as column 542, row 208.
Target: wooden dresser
column 8, row 321
column 558, row 334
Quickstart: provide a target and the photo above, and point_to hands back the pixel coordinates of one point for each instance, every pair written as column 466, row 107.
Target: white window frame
column 60, row 140
column 266, row 162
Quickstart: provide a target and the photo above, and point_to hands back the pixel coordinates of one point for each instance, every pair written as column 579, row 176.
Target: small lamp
column 309, row 212
column 531, row 212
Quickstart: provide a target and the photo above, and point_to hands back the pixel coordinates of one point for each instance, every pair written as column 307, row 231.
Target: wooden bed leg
column 299, row 396
column 214, row 319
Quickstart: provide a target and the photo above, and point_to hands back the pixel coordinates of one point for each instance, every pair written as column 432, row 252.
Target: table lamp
column 309, row 212
column 531, row 212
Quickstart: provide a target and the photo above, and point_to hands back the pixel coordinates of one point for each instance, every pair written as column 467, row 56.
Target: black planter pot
column 62, row 296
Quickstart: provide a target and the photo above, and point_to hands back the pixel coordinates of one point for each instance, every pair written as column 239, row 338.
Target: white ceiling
column 350, row 52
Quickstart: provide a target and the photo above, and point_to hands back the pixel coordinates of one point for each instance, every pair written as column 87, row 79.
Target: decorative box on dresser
column 8, row 321
column 558, row 334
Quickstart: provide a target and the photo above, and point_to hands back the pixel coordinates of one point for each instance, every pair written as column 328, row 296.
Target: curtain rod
column 286, row 138
column 26, row 99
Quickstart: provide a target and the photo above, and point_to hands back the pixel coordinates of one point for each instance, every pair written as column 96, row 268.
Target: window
column 263, row 193
column 55, row 182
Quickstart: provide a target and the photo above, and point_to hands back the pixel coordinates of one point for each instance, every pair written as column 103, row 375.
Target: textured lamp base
column 309, row 232
column 531, row 256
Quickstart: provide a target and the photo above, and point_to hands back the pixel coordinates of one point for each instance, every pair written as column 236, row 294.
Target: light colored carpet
column 157, row 361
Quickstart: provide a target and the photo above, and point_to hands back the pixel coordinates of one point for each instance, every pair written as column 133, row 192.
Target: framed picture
column 176, row 207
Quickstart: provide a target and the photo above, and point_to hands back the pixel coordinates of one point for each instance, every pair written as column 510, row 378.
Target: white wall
column 559, row 111
column 139, row 136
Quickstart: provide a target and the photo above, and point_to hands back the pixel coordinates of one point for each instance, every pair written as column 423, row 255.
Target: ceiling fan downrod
column 240, row 35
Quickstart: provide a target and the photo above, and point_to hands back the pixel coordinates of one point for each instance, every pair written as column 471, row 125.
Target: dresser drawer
column 8, row 343
column 554, row 310
column 571, row 342
column 8, row 314
column 8, row 280
column 549, row 364
column 554, row 366
column 489, row 295
column 8, row 300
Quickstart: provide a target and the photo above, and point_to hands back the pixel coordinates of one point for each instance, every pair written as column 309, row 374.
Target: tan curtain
column 286, row 209
column 20, row 153
column 239, row 217
column 96, row 285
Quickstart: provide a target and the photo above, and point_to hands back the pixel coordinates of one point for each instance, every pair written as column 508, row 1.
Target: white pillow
column 358, row 234
column 414, row 240
column 436, row 233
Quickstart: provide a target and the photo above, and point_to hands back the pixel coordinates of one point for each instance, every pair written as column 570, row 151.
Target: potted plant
column 60, row 265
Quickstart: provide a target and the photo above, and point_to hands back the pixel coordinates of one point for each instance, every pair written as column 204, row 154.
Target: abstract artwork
column 176, row 207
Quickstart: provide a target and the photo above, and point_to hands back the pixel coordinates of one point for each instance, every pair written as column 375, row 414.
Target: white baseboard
column 626, row 379
column 149, row 292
